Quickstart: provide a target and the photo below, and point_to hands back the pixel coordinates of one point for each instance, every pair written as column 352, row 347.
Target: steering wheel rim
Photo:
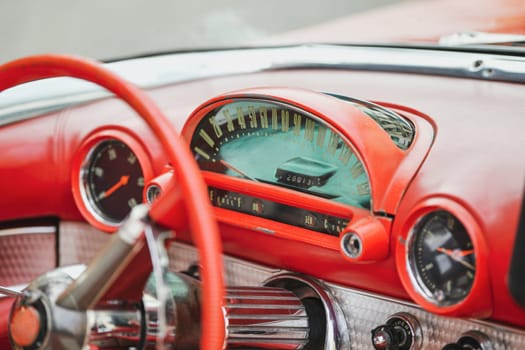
column 194, row 195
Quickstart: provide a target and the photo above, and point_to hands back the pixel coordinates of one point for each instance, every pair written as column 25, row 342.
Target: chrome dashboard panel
column 49, row 95
column 362, row 311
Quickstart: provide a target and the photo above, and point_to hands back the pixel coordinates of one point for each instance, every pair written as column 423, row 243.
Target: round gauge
column 441, row 258
column 112, row 181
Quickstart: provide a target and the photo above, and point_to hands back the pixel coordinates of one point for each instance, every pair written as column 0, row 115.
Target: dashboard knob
column 386, row 337
column 471, row 340
column 401, row 331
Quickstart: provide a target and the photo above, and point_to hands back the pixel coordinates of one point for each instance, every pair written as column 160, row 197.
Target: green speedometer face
column 277, row 144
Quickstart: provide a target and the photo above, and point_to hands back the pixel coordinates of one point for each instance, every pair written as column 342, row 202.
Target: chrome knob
column 400, row 332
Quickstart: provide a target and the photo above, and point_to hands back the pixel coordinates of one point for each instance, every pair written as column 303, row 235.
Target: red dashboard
column 406, row 186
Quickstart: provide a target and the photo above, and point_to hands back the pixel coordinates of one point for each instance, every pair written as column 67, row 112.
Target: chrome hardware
column 401, row 331
column 153, row 192
column 9, row 292
column 329, row 330
column 351, row 245
column 471, row 340
column 85, row 292
column 271, row 318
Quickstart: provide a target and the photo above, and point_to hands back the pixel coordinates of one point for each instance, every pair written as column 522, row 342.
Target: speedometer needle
column 238, row 171
column 458, row 255
column 122, row 182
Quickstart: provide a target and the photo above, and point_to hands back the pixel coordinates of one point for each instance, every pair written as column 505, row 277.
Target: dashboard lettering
column 240, row 118
column 309, row 220
column 332, row 143
column 112, row 154
column 297, row 124
column 309, row 130
column 202, row 153
column 264, row 117
column 275, row 122
column 216, row 127
column 253, row 117
column 344, row 155
column 229, row 120
column 357, row 170
column 206, row 137
column 132, row 159
column 301, row 180
column 363, row 189
column 285, row 120
column 321, row 136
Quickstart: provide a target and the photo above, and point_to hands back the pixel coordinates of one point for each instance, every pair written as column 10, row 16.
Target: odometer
column 282, row 145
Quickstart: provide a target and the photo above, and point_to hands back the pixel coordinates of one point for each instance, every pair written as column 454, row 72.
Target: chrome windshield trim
column 150, row 72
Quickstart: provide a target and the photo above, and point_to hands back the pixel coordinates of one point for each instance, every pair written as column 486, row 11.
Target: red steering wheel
column 190, row 197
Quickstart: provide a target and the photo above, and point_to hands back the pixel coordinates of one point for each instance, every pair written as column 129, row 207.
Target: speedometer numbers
column 278, row 144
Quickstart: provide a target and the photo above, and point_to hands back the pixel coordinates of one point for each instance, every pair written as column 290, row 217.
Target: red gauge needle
column 458, row 255
column 122, row 182
column 237, row 170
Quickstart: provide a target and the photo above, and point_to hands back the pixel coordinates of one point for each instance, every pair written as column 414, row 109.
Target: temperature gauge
column 441, row 258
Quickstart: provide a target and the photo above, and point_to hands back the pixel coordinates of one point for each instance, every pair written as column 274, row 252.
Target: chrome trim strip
column 32, row 230
column 150, row 72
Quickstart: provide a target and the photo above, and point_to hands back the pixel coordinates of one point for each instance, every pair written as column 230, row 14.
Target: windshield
column 122, row 28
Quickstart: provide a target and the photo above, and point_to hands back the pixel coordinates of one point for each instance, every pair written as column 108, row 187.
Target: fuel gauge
column 441, row 258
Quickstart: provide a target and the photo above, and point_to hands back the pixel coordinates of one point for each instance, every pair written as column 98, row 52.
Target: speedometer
column 274, row 143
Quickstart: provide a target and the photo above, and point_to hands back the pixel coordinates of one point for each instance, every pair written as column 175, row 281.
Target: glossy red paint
column 200, row 215
column 370, row 143
column 459, row 167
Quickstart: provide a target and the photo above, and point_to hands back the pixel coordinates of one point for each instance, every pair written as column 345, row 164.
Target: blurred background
column 109, row 29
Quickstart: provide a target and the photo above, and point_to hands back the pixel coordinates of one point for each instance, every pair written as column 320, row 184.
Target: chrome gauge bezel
column 412, row 266
column 82, row 160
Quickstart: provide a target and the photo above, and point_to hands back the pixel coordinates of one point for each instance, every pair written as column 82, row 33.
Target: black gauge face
column 276, row 144
column 442, row 259
column 113, row 181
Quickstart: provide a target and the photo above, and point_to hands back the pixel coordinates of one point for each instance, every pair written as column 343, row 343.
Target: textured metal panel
column 26, row 253
column 78, row 243
column 365, row 311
